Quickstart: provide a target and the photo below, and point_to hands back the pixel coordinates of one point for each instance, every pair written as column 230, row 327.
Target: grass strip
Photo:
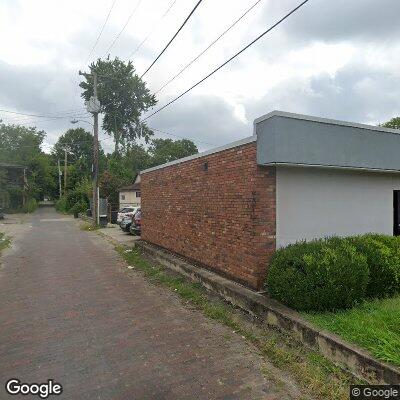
column 373, row 325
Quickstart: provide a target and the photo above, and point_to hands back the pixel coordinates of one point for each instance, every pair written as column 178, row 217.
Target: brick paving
column 70, row 311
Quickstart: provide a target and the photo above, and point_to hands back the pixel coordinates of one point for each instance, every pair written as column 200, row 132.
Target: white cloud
column 330, row 59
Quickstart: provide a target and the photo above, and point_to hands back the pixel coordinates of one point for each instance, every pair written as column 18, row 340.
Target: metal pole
column 95, row 157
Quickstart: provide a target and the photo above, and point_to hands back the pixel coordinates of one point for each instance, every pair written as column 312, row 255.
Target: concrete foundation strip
column 273, row 313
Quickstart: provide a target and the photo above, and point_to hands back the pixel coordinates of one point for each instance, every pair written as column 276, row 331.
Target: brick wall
column 223, row 218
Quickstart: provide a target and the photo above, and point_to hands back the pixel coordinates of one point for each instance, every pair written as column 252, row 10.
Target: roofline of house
column 129, row 188
column 277, row 113
column 228, row 146
column 6, row 165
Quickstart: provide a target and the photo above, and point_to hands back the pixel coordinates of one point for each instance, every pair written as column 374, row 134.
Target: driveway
column 70, row 311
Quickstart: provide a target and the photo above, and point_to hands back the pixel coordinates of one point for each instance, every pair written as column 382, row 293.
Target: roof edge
column 277, row 113
column 339, row 167
column 228, row 146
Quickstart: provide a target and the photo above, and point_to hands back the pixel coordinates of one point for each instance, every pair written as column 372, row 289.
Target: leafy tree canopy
column 165, row 150
column 123, row 96
column 394, row 123
column 78, row 143
column 19, row 144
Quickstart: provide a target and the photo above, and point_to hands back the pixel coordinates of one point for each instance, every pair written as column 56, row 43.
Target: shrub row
column 335, row 273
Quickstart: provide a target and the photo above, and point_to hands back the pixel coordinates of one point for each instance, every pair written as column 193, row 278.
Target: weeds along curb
column 272, row 313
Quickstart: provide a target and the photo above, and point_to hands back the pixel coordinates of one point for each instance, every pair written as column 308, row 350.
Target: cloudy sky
column 333, row 58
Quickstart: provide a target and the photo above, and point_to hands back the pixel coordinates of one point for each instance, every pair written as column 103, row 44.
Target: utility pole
column 65, row 170
column 59, row 179
column 93, row 106
column 95, row 156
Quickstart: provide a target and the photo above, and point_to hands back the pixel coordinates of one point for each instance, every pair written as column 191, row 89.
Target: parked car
column 124, row 212
column 126, row 222
column 136, row 224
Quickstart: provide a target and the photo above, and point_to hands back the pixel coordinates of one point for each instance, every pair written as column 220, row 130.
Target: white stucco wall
column 317, row 202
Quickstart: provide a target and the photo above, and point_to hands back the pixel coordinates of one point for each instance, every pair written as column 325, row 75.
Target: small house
column 130, row 195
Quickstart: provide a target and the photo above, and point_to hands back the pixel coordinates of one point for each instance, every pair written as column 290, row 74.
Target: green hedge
column 319, row 275
column 383, row 258
column 335, row 273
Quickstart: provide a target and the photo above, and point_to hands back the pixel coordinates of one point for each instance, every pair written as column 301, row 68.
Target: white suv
column 124, row 212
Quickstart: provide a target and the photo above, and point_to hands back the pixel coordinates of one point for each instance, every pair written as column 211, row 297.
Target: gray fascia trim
column 348, row 168
column 228, row 146
column 284, row 114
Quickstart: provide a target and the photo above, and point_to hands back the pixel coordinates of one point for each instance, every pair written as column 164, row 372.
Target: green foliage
column 165, row 150
column 394, row 123
column 383, row 261
column 123, row 97
column 30, row 206
column 79, row 207
column 21, row 145
column 79, row 146
column 318, row 275
column 373, row 324
column 4, row 241
column 76, row 200
column 315, row 275
column 42, row 177
column 61, row 205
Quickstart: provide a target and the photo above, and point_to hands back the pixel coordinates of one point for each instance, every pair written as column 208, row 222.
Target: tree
column 21, row 145
column 123, row 96
column 165, row 150
column 394, row 123
column 79, row 145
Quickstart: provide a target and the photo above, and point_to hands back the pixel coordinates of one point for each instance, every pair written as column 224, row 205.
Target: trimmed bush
column 383, row 258
column 319, row 275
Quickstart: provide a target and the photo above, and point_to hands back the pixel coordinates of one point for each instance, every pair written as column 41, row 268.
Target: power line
column 138, row 47
column 123, row 28
column 228, row 61
column 101, row 31
column 172, row 39
column 38, row 115
column 208, row 47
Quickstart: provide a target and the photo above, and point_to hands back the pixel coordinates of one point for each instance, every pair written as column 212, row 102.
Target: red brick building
column 299, row 177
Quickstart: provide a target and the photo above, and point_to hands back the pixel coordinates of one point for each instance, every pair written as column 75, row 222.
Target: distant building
column 12, row 185
column 130, row 195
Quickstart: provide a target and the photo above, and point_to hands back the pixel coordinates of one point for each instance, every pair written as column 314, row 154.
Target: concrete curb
column 273, row 313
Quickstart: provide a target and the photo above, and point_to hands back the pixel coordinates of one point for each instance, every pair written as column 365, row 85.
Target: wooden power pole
column 95, row 156
column 93, row 106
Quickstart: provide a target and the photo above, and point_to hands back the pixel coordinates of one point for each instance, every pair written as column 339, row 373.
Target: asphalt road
column 71, row 311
